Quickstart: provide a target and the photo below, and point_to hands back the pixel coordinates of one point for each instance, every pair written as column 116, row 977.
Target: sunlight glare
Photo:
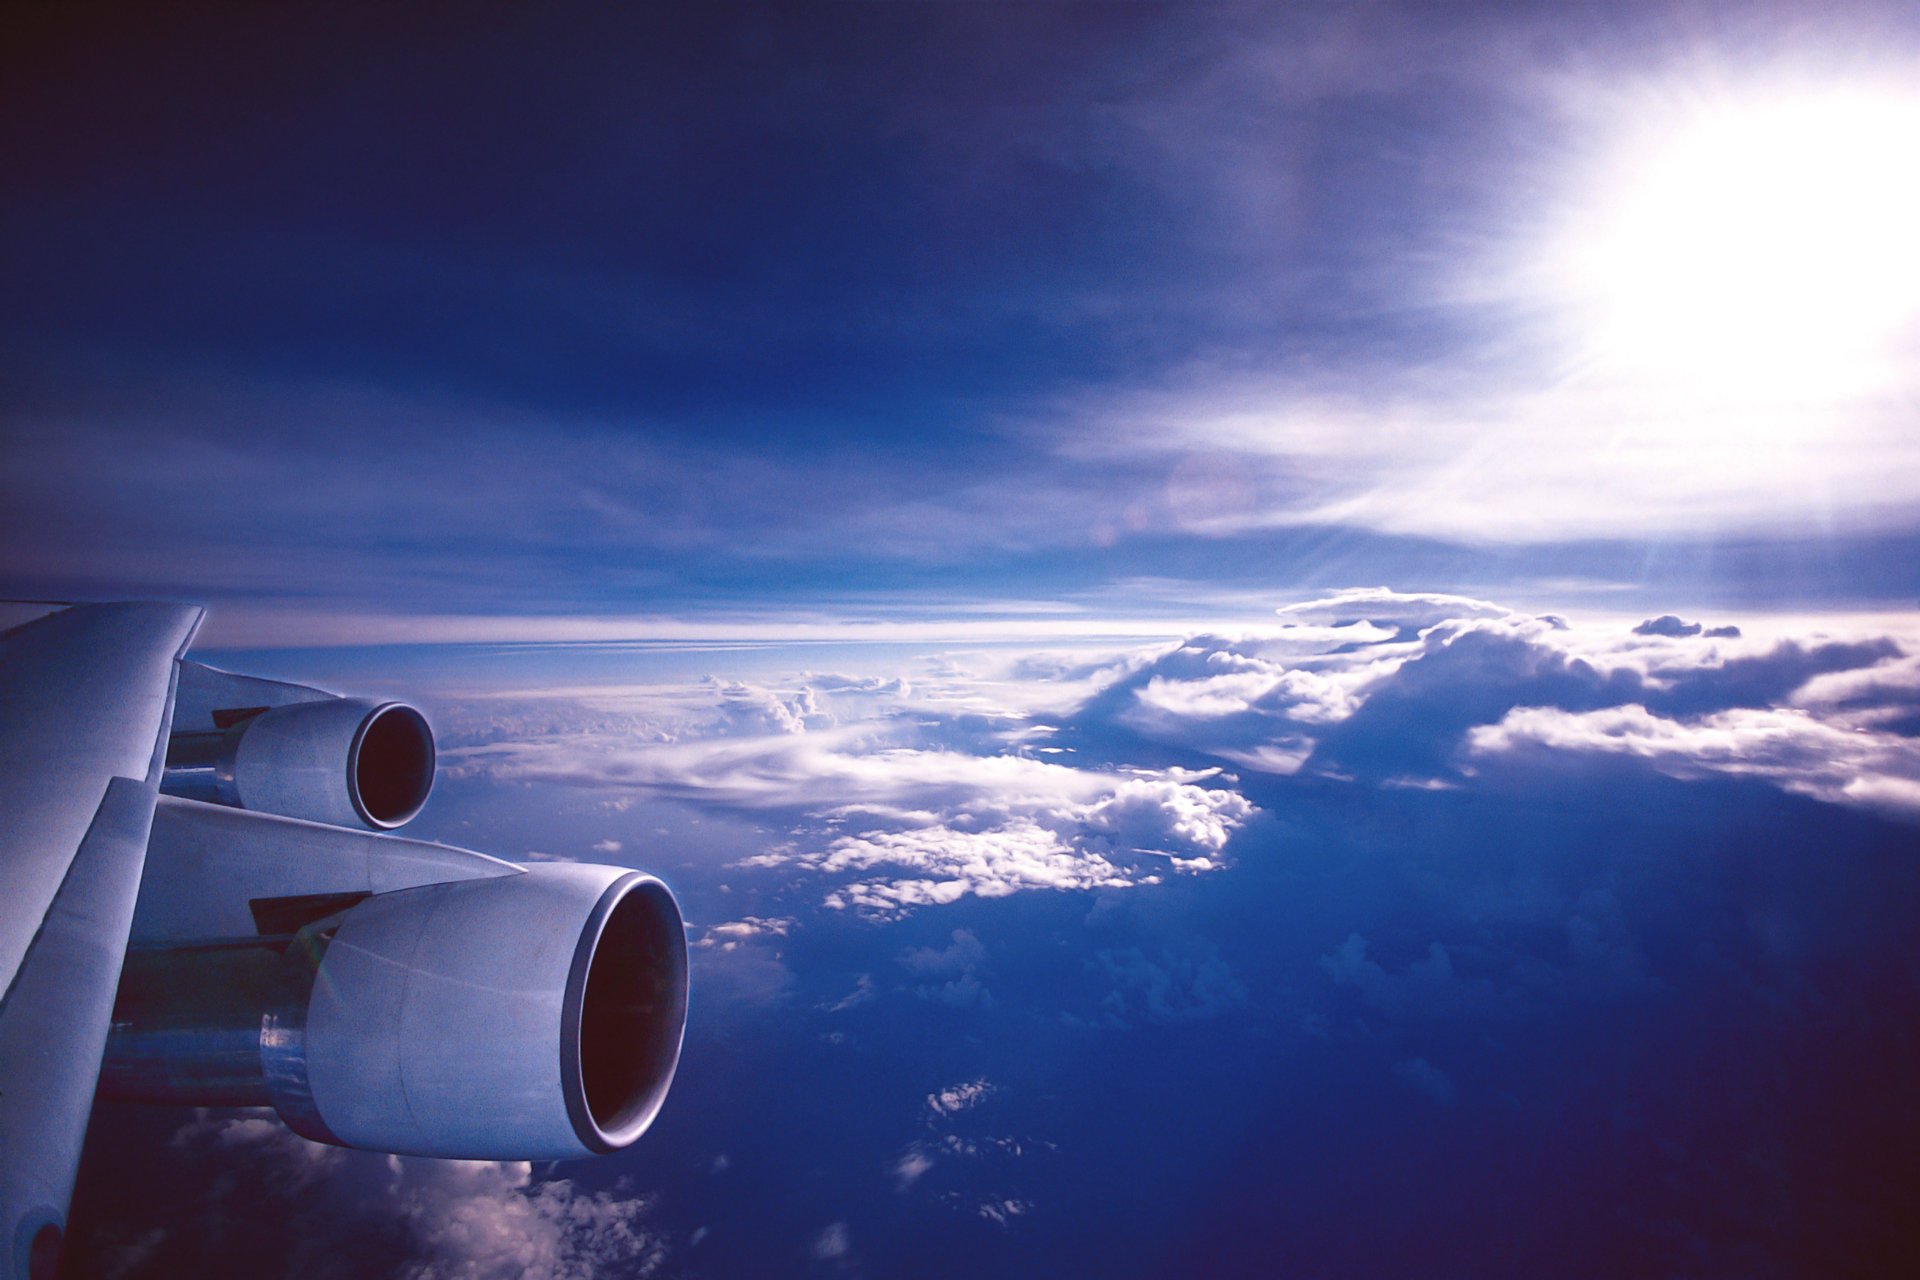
column 1771, row 246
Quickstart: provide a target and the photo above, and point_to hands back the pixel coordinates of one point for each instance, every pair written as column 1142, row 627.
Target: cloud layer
column 903, row 803
column 336, row 1212
column 1423, row 690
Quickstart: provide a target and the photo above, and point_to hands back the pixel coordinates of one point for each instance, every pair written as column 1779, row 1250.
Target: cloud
column 1429, row 989
column 959, row 964
column 747, row 709
column 476, row 1220
column 1190, row 983
column 1064, row 846
column 1396, row 611
column 911, row 1167
column 960, row 1166
column 1438, row 696
column 863, row 993
column 1672, row 625
column 871, row 766
column 1455, row 453
column 962, row 956
column 1788, row 746
column 959, row 1097
column 740, row 976
column 1667, row 624
column 453, row 1219
column 894, row 797
column 897, row 806
column 833, row 1244
column 732, row 933
column 880, row 686
column 1885, row 696
column 286, row 1161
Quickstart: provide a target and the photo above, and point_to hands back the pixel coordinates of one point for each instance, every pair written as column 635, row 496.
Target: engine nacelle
column 336, row 760
column 518, row 1017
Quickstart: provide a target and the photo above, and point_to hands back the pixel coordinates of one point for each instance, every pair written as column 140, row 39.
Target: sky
column 1258, row 639
column 633, row 320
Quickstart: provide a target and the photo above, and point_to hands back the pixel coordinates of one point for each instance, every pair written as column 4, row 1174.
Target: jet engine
column 337, row 760
column 282, row 948
column 524, row 1014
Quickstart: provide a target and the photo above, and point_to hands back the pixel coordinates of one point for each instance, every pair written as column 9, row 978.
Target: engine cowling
column 346, row 761
column 518, row 1017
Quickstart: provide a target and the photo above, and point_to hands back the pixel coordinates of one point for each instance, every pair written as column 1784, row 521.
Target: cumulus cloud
column 1885, row 696
column 749, row 709
column 911, row 1167
column 740, row 975
column 1667, row 624
column 732, row 933
column 1039, row 844
column 1394, row 611
column 1002, row 1212
column 455, row 1219
column 958, row 1097
column 938, row 865
column 1190, row 983
column 284, row 1160
column 1428, row 989
column 965, row 784
column 833, row 1243
column 958, row 1163
column 1437, row 695
column 1789, row 746
column 863, row 993
column 475, row 1220
column 954, row 970
column 900, row 810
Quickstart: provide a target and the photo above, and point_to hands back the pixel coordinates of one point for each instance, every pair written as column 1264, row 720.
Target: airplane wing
column 201, row 904
column 86, row 699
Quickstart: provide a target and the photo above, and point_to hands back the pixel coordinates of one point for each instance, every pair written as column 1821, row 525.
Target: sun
column 1769, row 242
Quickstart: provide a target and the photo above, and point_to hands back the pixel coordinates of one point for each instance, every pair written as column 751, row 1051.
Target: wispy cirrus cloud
column 1465, row 457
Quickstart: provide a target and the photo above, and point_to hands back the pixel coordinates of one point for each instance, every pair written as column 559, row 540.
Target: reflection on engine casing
column 346, row 761
column 524, row 1016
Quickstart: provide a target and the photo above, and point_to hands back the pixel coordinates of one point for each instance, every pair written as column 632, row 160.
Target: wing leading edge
column 86, row 698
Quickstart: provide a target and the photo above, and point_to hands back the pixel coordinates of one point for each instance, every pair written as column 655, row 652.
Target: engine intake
column 336, row 760
column 520, row 1017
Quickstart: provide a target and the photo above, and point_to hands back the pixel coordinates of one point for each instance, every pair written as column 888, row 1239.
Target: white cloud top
column 983, row 779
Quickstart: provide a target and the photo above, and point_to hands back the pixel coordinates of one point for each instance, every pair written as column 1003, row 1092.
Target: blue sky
column 921, row 311
column 1259, row 639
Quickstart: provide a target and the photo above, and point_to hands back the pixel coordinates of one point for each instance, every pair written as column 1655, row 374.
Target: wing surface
column 86, row 698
